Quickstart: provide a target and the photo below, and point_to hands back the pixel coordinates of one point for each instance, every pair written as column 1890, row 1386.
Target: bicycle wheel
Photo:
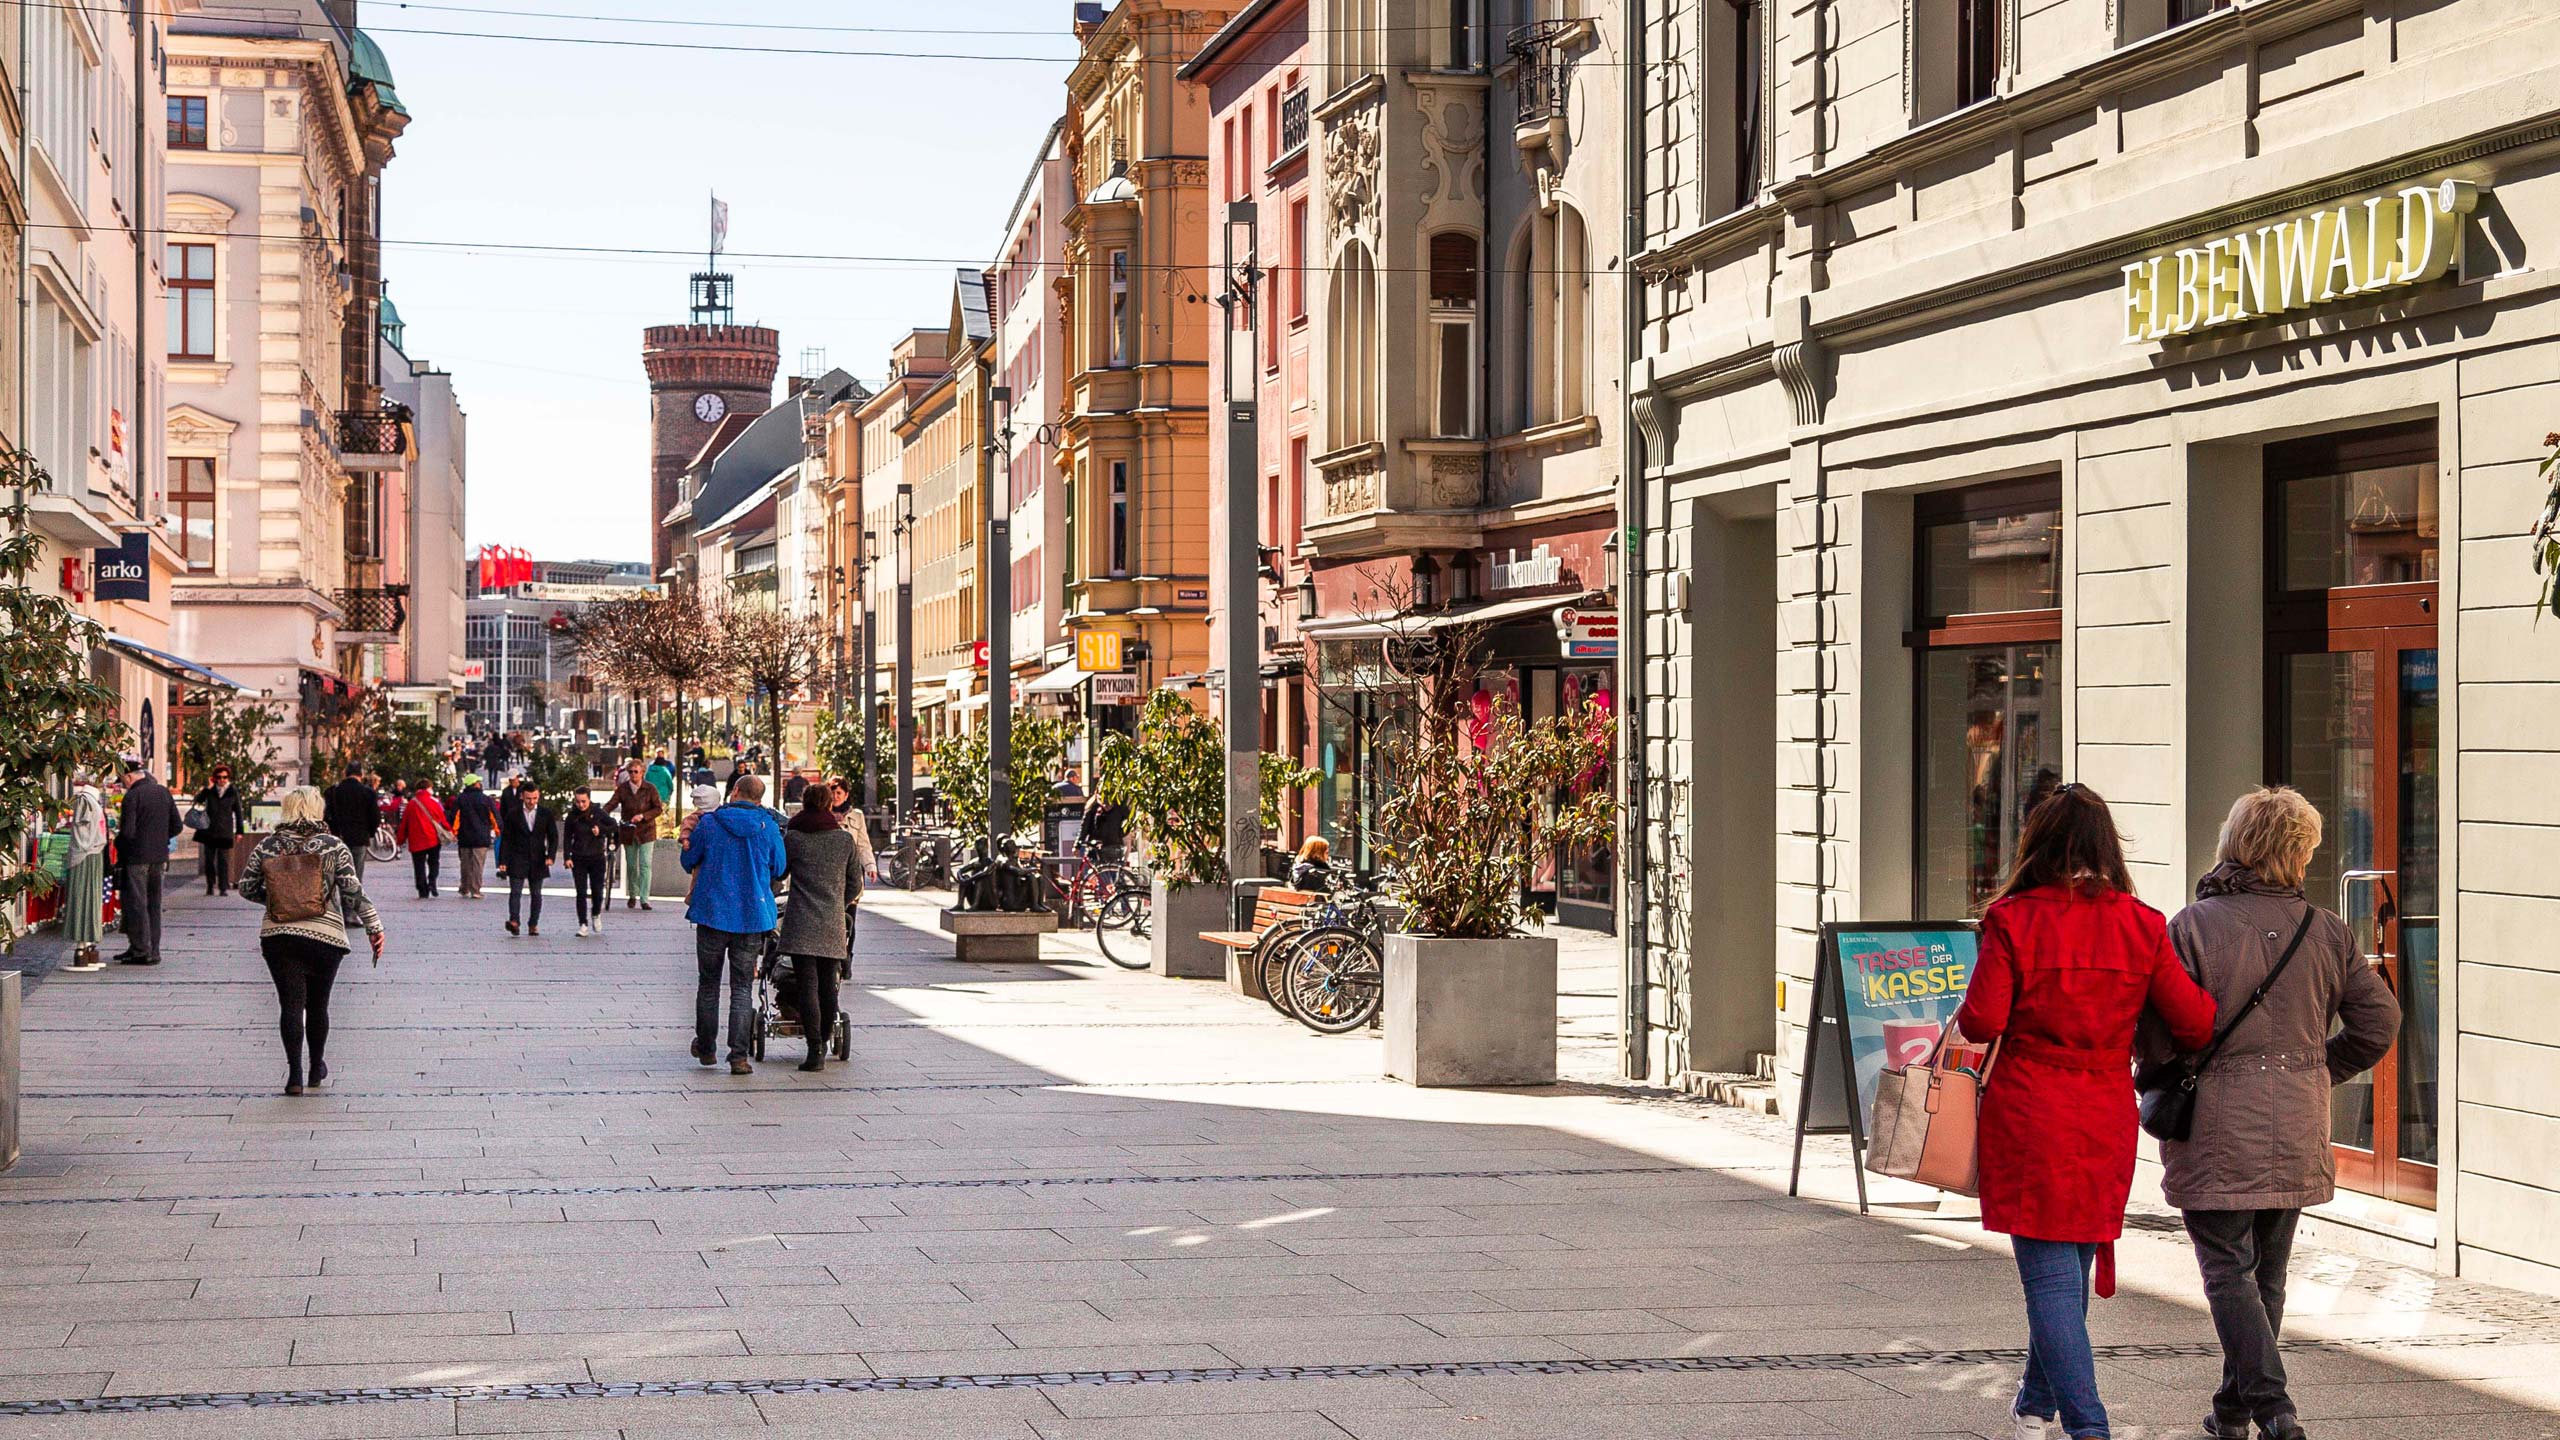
column 1124, row 927
column 1335, row 981
column 382, row 847
column 1272, row 955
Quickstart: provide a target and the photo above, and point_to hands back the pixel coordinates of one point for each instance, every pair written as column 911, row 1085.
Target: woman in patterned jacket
column 303, row 951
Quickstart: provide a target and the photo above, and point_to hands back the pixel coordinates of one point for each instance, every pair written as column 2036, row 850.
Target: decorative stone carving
column 1354, row 487
column 1193, row 173
column 1657, row 421
column 1452, row 151
column 1804, row 368
column 1351, row 158
column 1456, row 482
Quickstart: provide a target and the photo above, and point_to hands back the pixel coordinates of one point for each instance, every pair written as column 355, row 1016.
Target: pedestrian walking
column 826, row 866
column 146, row 825
column 475, row 825
column 2067, row 960
column 586, row 841
column 2258, row 1149
column 662, row 778
column 637, row 806
column 496, row 754
column 218, row 805
column 795, row 789
column 305, row 877
column 354, row 812
column 528, row 841
column 735, row 856
column 84, row 880
column 424, row 829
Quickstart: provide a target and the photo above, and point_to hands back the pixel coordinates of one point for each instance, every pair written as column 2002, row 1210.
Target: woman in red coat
column 2068, row 960
column 424, row 829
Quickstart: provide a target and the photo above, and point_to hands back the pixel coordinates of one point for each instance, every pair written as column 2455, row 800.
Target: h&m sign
column 123, row 573
column 2381, row 242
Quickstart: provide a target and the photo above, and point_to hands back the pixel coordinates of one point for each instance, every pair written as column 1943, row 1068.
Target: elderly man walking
column 736, row 858
column 145, row 828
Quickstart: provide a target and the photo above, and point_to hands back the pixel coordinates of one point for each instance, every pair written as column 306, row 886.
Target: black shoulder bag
column 2166, row 1089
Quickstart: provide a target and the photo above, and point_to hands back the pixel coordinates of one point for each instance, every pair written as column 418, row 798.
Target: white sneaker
column 582, row 932
column 599, row 925
column 2028, row 1427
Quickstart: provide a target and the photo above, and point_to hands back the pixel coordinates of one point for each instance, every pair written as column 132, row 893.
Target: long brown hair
column 2069, row 840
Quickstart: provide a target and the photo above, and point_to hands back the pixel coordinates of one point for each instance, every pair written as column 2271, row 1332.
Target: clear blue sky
column 532, row 143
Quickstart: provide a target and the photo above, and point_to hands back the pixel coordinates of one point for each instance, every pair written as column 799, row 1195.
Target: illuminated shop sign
column 2380, row 242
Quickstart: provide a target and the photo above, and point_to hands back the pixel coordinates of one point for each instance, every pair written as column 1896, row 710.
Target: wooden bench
column 1273, row 907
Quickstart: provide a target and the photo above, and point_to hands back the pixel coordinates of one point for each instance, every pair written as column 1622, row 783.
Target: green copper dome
column 365, row 61
column 392, row 329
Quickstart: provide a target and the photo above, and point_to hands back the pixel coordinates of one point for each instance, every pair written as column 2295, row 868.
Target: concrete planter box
column 10, row 1007
column 999, row 935
column 667, row 880
column 1176, row 949
column 1471, row 1012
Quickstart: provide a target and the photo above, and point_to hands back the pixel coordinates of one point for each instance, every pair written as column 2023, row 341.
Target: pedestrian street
column 1058, row 1200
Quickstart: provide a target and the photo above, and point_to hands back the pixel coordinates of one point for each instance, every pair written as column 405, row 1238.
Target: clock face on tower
column 708, row 408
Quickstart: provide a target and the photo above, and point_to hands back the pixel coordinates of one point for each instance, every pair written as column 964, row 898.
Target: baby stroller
column 777, row 1003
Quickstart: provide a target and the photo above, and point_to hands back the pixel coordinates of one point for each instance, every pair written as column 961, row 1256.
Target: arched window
column 1351, row 376
column 1548, row 350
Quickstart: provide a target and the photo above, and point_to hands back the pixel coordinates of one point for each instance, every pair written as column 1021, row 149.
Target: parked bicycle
column 1331, row 977
column 1082, row 885
column 1124, row 925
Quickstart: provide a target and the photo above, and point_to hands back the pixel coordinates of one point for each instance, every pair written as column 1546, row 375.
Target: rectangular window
column 1120, row 319
column 2182, row 11
column 63, row 95
column 1271, row 124
column 1293, row 122
column 1118, row 531
column 2355, row 509
column 1244, row 155
column 191, row 502
column 1977, row 51
column 1298, row 261
column 1462, row 34
column 1309, row 497
column 1746, row 102
column 1454, row 285
column 186, row 122
column 191, row 308
column 1988, row 670
column 1228, row 149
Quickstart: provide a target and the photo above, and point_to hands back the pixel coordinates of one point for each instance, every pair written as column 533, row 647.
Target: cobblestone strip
column 790, row 1187
column 916, row 1024
column 1406, row 1370
column 721, row 1093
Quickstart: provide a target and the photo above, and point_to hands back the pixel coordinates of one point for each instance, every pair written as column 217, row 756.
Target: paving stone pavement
column 1056, row 1200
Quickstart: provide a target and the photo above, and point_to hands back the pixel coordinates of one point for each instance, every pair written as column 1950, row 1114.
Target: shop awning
column 1059, row 681
column 178, row 668
column 1379, row 627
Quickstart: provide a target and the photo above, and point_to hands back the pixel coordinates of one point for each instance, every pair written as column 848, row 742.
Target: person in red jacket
column 424, row 829
column 2068, row 960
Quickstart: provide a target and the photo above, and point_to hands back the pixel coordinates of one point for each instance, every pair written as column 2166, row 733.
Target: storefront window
column 1989, row 652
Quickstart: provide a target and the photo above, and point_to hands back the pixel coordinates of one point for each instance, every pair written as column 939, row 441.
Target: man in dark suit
column 528, row 841
column 352, row 809
column 144, row 829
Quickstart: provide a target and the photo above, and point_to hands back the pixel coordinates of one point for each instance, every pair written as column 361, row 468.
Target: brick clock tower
column 699, row 374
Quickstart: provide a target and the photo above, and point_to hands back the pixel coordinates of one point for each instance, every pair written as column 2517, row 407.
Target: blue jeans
column 740, row 951
column 2061, row 1376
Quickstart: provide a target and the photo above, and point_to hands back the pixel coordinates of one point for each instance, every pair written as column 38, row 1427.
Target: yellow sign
column 1097, row 651
column 2381, row 242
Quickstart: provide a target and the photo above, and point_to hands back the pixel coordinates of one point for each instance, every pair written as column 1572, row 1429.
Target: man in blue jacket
column 735, row 857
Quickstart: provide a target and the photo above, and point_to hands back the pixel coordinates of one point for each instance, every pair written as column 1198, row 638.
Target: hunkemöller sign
column 2381, row 242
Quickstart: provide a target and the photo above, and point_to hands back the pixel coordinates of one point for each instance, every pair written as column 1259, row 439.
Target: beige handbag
column 1927, row 1116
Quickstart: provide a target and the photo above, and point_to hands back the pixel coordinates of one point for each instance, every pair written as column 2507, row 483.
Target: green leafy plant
column 55, row 719
column 1173, row 777
column 1475, row 809
column 2546, row 532
column 559, row 774
column 238, row 735
column 960, row 769
column 839, row 744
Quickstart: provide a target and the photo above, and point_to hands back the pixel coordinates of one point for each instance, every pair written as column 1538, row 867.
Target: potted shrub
column 1470, row 992
column 1173, row 777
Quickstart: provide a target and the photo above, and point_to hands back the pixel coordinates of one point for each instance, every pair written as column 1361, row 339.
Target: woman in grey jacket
column 303, row 953
column 825, row 876
column 2259, row 1151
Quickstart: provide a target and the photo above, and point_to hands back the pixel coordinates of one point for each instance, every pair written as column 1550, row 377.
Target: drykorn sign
column 2380, row 242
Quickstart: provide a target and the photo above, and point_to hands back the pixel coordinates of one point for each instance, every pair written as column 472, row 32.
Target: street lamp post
column 906, row 681
column 1244, row 549
column 870, row 683
column 995, row 564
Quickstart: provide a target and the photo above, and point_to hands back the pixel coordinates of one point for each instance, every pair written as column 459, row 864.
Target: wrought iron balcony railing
column 1293, row 122
column 1539, row 47
column 383, row 611
column 370, row 432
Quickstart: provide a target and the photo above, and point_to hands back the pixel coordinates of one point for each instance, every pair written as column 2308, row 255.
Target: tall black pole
column 870, row 686
column 906, row 680
column 1243, row 659
column 995, row 563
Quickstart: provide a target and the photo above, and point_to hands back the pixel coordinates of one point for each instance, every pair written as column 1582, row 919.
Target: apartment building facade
column 1028, row 350
column 2146, row 394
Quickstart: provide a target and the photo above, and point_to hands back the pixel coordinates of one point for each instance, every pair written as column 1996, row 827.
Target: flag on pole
column 719, row 224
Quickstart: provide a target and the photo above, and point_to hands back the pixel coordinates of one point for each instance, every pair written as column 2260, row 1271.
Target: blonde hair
column 2273, row 831
column 302, row 804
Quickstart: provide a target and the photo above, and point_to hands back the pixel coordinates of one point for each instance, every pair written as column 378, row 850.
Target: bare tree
column 780, row 655
column 659, row 645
